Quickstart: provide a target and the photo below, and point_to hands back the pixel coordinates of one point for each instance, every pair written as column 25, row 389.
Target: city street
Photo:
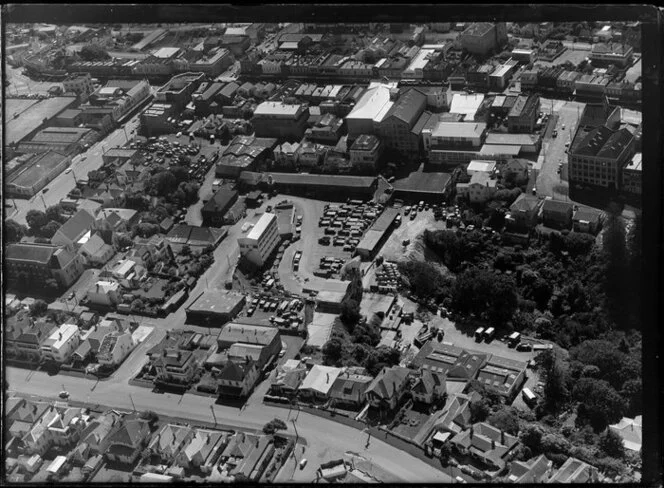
column 326, row 440
column 81, row 165
column 549, row 182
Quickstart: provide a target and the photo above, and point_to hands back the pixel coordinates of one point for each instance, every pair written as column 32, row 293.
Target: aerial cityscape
column 323, row 252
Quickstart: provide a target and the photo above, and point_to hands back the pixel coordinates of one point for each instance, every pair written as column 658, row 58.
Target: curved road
column 326, row 440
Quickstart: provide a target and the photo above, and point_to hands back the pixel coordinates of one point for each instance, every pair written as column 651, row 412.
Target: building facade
column 261, row 240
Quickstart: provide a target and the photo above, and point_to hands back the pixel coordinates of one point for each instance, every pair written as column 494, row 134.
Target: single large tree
column 14, row 232
column 36, row 219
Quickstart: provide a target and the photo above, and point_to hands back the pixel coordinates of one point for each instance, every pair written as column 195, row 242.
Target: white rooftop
column 466, row 104
column 277, row 108
column 420, row 61
column 259, row 228
column 481, row 166
column 459, row 129
column 67, row 330
column 320, row 378
column 166, row 52
column 374, row 104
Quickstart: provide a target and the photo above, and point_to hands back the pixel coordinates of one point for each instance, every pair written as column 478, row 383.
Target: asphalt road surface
column 326, row 440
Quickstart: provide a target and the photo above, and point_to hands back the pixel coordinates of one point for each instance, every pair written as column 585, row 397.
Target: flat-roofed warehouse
column 377, row 234
column 215, row 307
column 322, row 187
column 423, row 186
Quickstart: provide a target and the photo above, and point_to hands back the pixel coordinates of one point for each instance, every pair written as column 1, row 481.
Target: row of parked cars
column 344, row 225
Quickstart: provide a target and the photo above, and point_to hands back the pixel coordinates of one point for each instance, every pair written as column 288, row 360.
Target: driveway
column 327, row 440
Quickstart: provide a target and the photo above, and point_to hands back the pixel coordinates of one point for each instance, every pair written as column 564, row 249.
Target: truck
column 489, row 334
column 513, row 339
column 529, row 397
column 479, row 334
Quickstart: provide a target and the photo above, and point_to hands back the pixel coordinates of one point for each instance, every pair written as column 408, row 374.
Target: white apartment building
column 61, row 343
column 261, row 240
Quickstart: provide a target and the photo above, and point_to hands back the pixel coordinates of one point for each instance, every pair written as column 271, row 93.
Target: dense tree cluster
column 93, row 52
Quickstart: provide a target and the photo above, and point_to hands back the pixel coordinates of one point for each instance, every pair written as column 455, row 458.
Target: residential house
column 523, row 213
column 388, row 388
column 114, row 348
column 116, row 219
column 105, row 293
column 452, row 419
column 575, row 471
column 65, row 429
column 76, row 231
column 481, row 187
column 61, row 344
column 429, row 386
column 502, row 375
column 237, row 377
column 586, row 220
column 318, row 383
column 350, row 388
column 487, row 444
column 24, row 337
column 127, row 441
column 556, row 214
column 95, row 252
column 288, row 378
column 203, row 450
column 174, row 366
column 630, row 431
column 536, row 470
column 128, row 273
column 515, row 169
column 247, row 456
column 148, row 252
column 287, row 154
column 169, row 441
column 38, row 439
column 97, row 433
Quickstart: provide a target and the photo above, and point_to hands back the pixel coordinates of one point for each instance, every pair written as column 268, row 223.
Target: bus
column 529, row 397
column 513, row 339
column 479, row 334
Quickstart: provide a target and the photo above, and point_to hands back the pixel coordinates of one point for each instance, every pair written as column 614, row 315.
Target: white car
column 67, row 171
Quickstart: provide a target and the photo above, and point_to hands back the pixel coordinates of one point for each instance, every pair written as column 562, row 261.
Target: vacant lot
column 393, row 250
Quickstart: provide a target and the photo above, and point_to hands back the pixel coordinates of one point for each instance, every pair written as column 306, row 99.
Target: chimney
column 493, row 444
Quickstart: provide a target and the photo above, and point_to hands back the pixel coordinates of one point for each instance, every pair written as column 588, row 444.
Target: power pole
column 213, row 415
column 132, row 402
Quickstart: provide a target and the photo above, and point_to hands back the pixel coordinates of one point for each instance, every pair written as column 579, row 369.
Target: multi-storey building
column 280, row 120
column 179, row 89
column 365, row 152
column 529, row 79
column 632, row 176
column 600, row 149
column 79, row 83
column 395, row 129
column 483, row 37
column 261, row 240
column 61, row 343
column 37, row 263
column 453, row 142
column 523, row 115
column 611, row 53
column 214, row 63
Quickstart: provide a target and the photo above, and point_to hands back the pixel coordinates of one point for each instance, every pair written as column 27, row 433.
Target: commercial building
column 499, row 79
column 600, row 149
column 524, row 56
column 369, row 111
column 64, row 140
column 261, row 240
column 214, row 211
column 61, row 343
column 104, row 293
column 35, row 173
column 395, row 129
column 483, row 37
column 157, row 119
column 215, row 307
column 366, row 152
column 280, row 120
column 37, row 263
column 482, row 187
column 451, row 143
column 79, row 83
column 179, row 89
column 377, row 234
column 214, row 63
column 423, row 186
column 323, row 187
column 523, row 213
column 529, row 143
column 632, row 175
column 611, row 53
column 523, row 115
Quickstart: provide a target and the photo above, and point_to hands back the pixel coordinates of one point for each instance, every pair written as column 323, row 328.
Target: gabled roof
column 33, row 253
column 631, row 432
column 408, row 107
column 320, row 379
column 556, row 206
column 170, row 438
column 532, row 471
column 524, row 203
column 428, row 382
column 235, row 371
column 131, row 433
column 389, row 381
column 77, row 225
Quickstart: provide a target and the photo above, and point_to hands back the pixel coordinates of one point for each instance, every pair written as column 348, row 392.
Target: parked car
column 64, row 394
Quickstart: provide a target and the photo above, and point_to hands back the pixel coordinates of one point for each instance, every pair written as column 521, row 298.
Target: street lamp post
column 132, row 402
column 213, row 415
column 42, row 199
